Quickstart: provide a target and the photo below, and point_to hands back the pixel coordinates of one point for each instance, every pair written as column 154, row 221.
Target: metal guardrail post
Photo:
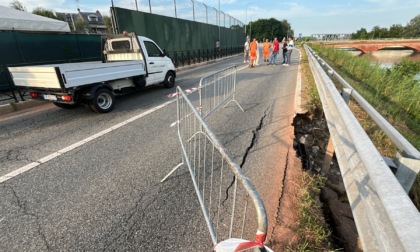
column 385, row 217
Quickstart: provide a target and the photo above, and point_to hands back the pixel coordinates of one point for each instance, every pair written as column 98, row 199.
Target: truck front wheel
column 169, row 81
column 103, row 101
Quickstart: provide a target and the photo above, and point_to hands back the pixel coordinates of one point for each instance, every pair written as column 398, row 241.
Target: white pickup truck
column 130, row 63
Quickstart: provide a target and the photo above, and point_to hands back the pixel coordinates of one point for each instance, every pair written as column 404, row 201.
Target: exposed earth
column 311, row 139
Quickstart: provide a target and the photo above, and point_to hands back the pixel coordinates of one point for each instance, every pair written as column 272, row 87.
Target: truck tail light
column 34, row 94
column 66, row 98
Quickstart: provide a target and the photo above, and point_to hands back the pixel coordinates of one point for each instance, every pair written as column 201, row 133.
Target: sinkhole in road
column 310, row 143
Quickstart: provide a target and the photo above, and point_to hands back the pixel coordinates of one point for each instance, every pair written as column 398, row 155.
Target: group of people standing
column 251, row 51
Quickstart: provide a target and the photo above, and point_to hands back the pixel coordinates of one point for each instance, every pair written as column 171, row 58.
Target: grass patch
column 312, row 229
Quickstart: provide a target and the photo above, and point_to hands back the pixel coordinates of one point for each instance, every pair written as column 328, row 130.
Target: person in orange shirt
column 253, row 52
column 266, row 50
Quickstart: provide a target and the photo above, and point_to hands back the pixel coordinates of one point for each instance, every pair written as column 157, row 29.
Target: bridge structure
column 369, row 46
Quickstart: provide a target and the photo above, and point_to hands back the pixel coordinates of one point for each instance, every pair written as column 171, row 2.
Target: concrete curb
column 13, row 106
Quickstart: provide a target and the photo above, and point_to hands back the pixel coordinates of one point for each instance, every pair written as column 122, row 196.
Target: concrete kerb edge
column 299, row 109
column 13, row 106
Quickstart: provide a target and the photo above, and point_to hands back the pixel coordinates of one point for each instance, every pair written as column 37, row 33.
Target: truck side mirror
column 164, row 53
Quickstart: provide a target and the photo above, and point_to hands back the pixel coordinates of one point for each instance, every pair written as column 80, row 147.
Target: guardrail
column 407, row 163
column 385, row 217
column 222, row 188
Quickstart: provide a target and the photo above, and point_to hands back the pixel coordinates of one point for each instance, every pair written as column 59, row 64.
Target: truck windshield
column 121, row 45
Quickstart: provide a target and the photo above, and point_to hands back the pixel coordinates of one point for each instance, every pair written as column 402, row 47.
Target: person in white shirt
column 258, row 53
column 246, row 50
column 290, row 46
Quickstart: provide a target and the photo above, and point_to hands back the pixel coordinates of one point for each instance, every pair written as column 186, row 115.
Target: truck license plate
column 50, row 97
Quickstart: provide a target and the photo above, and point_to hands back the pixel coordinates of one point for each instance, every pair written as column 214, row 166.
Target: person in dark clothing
column 284, row 52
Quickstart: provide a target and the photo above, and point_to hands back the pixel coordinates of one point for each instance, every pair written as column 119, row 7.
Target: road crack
column 282, row 188
column 22, row 205
column 254, row 141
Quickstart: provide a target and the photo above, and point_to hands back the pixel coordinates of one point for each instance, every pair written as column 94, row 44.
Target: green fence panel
column 26, row 48
column 175, row 34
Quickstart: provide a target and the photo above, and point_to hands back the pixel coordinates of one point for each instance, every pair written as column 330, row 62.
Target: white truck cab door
column 156, row 62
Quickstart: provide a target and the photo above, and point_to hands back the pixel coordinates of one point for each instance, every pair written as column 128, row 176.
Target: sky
column 306, row 17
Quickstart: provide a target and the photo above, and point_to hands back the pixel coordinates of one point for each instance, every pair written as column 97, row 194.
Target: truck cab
column 129, row 47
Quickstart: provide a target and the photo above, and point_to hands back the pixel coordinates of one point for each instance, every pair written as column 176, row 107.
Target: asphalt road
column 104, row 193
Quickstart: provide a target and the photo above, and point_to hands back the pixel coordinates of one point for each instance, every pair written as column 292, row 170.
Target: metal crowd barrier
column 217, row 88
column 385, row 217
column 230, row 203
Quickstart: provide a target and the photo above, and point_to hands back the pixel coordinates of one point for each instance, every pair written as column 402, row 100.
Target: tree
column 15, row 4
column 108, row 24
column 413, row 27
column 378, row 32
column 45, row 13
column 396, row 31
column 360, row 34
column 269, row 28
column 81, row 25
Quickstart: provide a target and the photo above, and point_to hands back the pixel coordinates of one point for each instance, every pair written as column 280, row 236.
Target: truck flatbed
column 68, row 75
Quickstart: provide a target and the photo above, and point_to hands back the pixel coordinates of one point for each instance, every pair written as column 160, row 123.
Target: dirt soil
column 310, row 144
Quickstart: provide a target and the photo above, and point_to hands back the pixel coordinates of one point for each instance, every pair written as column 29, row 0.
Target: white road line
column 86, row 140
column 80, row 143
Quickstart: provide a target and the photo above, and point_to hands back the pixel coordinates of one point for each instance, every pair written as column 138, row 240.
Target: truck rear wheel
column 169, row 81
column 103, row 101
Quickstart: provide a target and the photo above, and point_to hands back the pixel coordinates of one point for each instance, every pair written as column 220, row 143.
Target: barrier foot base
column 170, row 173
column 236, row 104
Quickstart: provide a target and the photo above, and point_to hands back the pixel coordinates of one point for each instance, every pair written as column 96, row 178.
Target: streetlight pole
column 175, row 8
column 207, row 15
column 246, row 14
column 192, row 1
column 150, row 7
column 219, row 21
column 250, row 28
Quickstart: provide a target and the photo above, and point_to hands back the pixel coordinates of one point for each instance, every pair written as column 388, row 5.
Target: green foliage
column 360, row 34
column 413, row 27
column 407, row 67
column 395, row 31
column 81, row 26
column 312, row 229
column 108, row 24
column 236, row 27
column 45, row 13
column 17, row 5
column 394, row 93
column 269, row 28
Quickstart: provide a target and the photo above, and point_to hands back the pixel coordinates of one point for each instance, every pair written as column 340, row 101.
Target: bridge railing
column 385, row 217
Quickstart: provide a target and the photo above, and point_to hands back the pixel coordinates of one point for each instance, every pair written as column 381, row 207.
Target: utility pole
column 192, row 1
column 246, row 14
column 175, row 8
column 150, row 7
column 219, row 21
